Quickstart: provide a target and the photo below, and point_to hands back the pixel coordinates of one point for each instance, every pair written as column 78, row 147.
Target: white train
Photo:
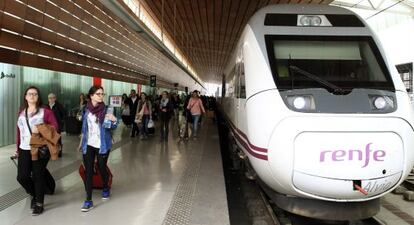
column 322, row 116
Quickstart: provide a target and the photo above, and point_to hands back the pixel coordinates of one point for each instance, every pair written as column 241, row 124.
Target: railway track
column 280, row 217
column 409, row 182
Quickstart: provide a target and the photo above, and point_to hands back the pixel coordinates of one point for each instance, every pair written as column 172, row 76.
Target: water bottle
column 107, row 122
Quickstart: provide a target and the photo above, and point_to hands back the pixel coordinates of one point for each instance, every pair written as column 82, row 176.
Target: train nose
column 350, row 165
column 340, row 158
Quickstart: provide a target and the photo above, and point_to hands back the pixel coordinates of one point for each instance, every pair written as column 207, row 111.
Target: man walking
column 133, row 104
column 60, row 113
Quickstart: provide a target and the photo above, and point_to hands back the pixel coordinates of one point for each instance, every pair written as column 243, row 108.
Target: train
column 318, row 111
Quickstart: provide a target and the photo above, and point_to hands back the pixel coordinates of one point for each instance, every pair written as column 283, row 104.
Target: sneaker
column 106, row 193
column 87, row 205
column 37, row 210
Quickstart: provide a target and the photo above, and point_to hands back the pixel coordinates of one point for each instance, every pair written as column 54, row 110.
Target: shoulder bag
column 43, row 151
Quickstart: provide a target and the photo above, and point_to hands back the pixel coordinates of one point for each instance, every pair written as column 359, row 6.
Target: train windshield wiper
column 328, row 84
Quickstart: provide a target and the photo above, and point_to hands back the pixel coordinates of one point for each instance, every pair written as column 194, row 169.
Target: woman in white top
column 96, row 141
column 31, row 173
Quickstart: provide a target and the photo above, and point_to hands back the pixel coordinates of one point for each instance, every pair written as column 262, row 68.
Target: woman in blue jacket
column 96, row 141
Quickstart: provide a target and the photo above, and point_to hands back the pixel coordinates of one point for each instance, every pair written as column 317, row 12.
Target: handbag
column 150, row 123
column 126, row 111
column 43, row 151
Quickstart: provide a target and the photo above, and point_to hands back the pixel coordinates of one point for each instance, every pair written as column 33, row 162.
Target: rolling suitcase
column 50, row 183
column 72, row 124
column 126, row 120
column 97, row 182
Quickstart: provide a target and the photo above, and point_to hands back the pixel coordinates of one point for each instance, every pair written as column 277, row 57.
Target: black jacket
column 132, row 105
column 170, row 109
column 60, row 113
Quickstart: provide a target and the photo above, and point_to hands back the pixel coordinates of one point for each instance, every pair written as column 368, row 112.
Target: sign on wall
column 153, row 81
column 115, row 100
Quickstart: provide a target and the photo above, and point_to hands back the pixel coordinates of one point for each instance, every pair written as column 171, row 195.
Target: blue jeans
column 143, row 129
column 196, row 118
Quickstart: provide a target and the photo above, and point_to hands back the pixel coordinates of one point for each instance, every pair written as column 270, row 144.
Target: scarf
column 164, row 103
column 98, row 110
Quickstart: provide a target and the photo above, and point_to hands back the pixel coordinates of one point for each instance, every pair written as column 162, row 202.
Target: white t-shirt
column 134, row 99
column 94, row 133
column 24, row 129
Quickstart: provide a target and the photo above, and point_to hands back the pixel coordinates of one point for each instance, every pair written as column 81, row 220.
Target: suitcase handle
column 13, row 158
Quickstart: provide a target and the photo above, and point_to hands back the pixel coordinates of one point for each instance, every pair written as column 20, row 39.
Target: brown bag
column 138, row 117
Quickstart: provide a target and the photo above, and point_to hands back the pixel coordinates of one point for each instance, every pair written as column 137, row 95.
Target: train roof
column 302, row 9
column 299, row 9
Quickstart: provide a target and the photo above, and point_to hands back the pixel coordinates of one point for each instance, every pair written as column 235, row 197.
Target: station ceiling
column 207, row 30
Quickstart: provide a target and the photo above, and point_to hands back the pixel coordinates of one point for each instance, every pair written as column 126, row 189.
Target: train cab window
column 313, row 62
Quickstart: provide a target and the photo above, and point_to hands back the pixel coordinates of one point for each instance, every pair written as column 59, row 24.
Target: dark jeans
column 144, row 125
column 35, row 186
column 165, row 120
column 134, row 129
column 88, row 162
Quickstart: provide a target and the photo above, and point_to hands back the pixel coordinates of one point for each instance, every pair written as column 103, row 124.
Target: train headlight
column 313, row 21
column 382, row 102
column 310, row 21
column 301, row 102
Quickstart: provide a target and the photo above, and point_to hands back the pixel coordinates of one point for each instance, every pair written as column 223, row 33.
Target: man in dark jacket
column 132, row 101
column 60, row 112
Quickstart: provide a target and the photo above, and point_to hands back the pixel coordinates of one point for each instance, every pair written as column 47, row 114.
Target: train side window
column 241, row 83
column 242, row 80
column 231, row 84
column 236, row 80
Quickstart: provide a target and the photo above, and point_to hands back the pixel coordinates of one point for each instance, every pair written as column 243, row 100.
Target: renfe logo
column 353, row 154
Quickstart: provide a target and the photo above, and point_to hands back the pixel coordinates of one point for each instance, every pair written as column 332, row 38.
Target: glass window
column 242, row 80
column 323, row 62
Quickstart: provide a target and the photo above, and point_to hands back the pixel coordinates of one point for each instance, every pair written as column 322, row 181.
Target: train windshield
column 338, row 64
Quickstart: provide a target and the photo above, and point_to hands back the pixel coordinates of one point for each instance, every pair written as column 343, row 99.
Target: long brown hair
column 38, row 103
